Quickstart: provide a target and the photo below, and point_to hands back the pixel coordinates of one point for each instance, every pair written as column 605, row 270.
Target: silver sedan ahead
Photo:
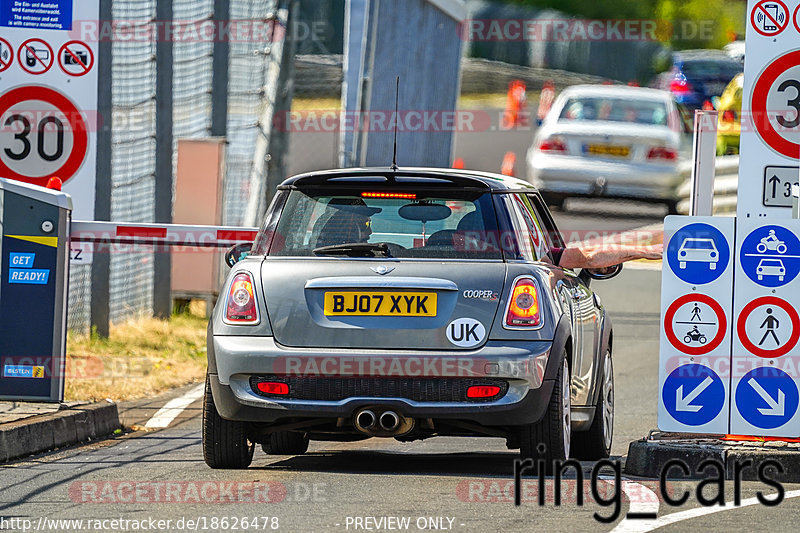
column 610, row 141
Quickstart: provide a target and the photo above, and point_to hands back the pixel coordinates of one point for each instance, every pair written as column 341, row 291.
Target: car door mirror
column 237, row 253
column 601, row 273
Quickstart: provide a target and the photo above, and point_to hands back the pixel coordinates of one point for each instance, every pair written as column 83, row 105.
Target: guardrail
column 726, row 185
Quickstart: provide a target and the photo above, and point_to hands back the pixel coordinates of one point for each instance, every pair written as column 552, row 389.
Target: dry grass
column 141, row 358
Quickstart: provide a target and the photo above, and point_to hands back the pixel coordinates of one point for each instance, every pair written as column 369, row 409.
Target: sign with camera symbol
column 76, row 58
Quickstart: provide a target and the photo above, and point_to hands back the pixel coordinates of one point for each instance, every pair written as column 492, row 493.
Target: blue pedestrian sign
column 770, row 256
column 693, row 395
column 767, row 397
column 698, row 254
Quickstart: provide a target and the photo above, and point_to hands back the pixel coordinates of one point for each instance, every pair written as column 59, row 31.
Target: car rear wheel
column 225, row 443
column 549, row 439
column 286, row 443
column 596, row 443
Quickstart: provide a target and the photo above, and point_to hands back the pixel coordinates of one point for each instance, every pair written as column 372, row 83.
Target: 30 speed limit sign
column 776, row 105
column 42, row 134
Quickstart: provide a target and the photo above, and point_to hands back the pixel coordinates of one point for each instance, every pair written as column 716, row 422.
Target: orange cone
column 509, row 162
column 515, row 104
column 54, row 183
column 458, row 163
column 546, row 99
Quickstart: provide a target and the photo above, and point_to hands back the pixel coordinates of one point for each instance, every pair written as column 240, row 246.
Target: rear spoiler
column 343, row 180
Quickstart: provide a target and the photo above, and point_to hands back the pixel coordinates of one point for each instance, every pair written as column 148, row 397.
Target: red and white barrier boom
column 160, row 235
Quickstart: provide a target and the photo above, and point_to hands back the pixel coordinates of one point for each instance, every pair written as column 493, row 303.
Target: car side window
column 551, row 236
column 535, row 234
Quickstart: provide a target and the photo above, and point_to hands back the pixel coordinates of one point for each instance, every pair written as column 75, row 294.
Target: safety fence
column 203, row 104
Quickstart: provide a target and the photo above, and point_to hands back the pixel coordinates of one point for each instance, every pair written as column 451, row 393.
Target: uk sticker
column 466, row 332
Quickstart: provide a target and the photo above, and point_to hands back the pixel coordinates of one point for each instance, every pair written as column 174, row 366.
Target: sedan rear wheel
column 596, row 443
column 225, row 443
column 550, row 438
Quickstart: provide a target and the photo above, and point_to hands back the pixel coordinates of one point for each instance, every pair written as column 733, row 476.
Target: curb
column 63, row 428
column 648, row 456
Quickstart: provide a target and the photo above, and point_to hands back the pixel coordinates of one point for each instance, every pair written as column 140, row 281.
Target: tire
column 286, row 443
column 553, row 430
column 596, row 443
column 225, row 443
column 672, row 207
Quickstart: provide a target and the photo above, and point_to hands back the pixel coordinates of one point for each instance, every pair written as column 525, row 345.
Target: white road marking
column 644, row 526
column 173, row 408
column 642, row 500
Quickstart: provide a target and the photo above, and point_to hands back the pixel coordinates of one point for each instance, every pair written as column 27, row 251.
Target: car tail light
column 680, row 86
column 729, row 116
column 240, row 306
column 663, row 153
column 552, row 145
column 483, row 391
column 523, row 307
column 273, row 387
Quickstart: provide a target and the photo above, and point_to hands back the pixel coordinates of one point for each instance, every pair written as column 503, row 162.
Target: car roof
column 427, row 175
column 622, row 91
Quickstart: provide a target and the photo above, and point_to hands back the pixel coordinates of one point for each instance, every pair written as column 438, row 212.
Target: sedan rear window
column 651, row 112
column 388, row 223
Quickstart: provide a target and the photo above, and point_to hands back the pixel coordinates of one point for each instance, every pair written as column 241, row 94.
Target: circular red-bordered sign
column 32, row 50
column 750, row 346
column 81, row 68
column 794, row 18
column 761, row 15
column 77, row 126
column 5, row 64
column 722, row 324
column 764, row 127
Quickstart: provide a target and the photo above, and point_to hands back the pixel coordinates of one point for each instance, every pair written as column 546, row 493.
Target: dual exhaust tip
column 378, row 423
column 367, row 421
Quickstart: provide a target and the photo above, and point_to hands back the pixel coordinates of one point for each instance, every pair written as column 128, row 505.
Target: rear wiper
column 355, row 249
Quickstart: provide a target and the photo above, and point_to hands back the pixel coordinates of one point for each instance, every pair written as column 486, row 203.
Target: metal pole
column 701, row 199
column 99, row 307
column 219, row 75
column 162, row 262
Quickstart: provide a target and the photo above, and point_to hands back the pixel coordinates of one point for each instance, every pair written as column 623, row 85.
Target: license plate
column 380, row 304
column 607, row 149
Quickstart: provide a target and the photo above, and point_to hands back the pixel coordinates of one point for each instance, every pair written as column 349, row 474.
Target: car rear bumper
column 581, row 177
column 525, row 366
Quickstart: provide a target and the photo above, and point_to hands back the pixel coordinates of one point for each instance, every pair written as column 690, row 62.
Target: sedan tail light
column 523, row 306
column 661, row 153
column 552, row 145
column 680, row 86
column 240, row 306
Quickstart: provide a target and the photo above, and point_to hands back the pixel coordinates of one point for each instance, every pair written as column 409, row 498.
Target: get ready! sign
column 48, row 104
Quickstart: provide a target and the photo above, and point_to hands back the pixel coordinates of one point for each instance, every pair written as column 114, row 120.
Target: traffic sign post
column 48, row 113
column 765, row 358
column 696, row 300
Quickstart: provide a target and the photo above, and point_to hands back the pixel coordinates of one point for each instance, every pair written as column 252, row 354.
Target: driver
column 350, row 223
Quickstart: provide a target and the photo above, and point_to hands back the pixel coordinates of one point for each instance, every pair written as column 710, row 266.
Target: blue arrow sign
column 770, row 256
column 693, row 394
column 767, row 397
column 698, row 254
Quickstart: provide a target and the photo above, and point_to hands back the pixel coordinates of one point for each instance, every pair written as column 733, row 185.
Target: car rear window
column 651, row 112
column 711, row 69
column 435, row 225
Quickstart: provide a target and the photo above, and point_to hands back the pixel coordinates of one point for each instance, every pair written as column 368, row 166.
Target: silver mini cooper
column 407, row 304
